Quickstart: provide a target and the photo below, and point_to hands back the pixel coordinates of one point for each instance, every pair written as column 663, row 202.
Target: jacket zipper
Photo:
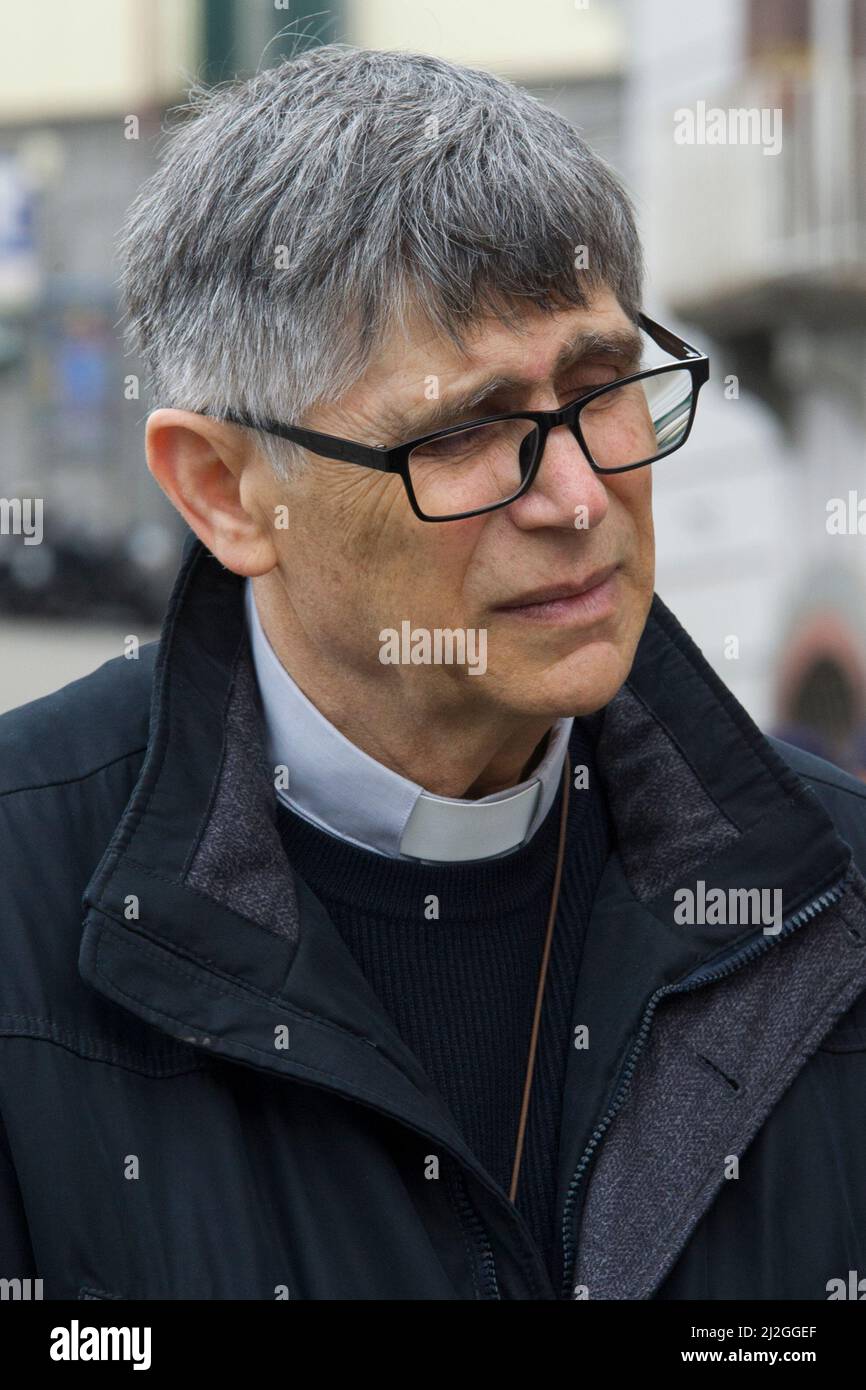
column 726, row 966
column 474, row 1227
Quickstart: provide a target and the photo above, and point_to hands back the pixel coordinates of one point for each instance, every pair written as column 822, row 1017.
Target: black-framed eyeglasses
column 484, row 464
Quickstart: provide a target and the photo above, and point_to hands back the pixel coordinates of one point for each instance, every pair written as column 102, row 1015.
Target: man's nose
column 566, row 491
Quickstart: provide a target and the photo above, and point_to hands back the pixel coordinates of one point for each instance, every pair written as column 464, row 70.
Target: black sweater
column 461, row 989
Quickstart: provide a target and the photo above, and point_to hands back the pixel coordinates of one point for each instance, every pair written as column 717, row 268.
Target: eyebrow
column 626, row 344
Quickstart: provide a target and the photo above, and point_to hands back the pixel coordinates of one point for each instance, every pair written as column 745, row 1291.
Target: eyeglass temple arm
column 671, row 342
column 344, row 450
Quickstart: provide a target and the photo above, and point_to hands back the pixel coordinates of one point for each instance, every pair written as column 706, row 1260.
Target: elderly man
column 422, row 918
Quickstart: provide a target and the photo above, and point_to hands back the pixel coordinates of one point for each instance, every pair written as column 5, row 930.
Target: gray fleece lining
column 666, row 822
column 240, row 860
column 756, row 1028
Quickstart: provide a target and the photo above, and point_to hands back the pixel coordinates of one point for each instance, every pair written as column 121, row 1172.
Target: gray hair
column 299, row 217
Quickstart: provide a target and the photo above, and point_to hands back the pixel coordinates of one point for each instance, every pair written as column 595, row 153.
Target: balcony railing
column 729, row 219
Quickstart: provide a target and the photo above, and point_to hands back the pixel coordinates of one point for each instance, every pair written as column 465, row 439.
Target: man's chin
column 578, row 686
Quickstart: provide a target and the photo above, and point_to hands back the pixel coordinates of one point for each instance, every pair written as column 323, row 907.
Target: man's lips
column 554, row 593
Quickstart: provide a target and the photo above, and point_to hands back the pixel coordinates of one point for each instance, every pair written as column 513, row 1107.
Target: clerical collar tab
column 450, row 831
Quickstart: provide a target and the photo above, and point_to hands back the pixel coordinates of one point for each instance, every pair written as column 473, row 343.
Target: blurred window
column 778, row 28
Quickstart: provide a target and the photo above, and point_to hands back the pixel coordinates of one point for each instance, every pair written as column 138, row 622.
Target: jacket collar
column 195, row 921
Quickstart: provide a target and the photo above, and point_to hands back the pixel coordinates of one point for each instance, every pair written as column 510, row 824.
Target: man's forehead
column 532, row 345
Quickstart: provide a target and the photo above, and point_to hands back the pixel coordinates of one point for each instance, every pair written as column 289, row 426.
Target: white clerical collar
column 340, row 788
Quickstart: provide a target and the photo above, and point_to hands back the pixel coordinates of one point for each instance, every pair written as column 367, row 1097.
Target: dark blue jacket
column 202, row 1098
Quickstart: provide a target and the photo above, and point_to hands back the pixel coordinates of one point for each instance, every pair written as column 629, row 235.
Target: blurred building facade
column 759, row 244
column 83, row 93
column 77, row 121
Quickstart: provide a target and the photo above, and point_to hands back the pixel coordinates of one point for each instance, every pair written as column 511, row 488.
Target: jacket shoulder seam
column 835, row 786
column 70, row 781
column 90, row 1049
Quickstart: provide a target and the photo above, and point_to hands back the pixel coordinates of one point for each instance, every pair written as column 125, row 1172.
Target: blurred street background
column 756, row 252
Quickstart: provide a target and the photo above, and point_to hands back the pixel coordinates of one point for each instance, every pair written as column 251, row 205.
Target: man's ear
column 200, row 463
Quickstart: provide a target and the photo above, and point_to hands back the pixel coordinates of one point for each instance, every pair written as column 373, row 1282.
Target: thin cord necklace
column 542, row 980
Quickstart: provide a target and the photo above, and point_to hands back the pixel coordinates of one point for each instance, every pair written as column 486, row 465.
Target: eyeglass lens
column 485, row 464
